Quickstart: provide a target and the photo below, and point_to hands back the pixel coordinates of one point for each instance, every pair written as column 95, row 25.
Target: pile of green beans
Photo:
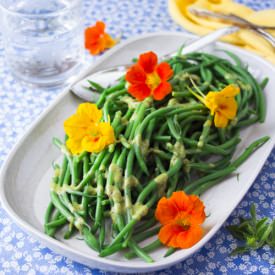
column 161, row 147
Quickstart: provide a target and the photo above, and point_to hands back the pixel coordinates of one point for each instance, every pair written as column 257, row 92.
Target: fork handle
column 208, row 39
column 270, row 38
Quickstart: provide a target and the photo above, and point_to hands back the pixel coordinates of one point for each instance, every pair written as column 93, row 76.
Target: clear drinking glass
column 43, row 39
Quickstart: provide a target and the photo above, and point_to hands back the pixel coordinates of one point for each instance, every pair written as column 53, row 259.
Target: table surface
column 20, row 105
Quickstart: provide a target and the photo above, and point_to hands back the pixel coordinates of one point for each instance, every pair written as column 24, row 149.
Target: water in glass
column 43, row 40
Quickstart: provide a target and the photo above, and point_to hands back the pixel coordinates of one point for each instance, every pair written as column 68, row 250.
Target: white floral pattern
column 19, row 104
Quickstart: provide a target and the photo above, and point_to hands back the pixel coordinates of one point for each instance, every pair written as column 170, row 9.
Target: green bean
column 197, row 67
column 63, row 210
column 56, row 223
column 221, row 133
column 249, row 150
column 91, row 171
column 119, row 86
column 153, row 184
column 150, row 129
column 236, row 59
column 264, row 83
column 175, row 130
column 95, row 86
column 219, row 174
column 192, row 119
column 159, row 164
column 90, row 239
column 146, row 234
column 110, row 100
column 163, row 155
column 140, row 252
column 173, row 185
column 208, row 147
column 162, row 138
column 247, row 122
column 127, row 185
column 85, row 199
column 69, row 233
column 259, row 97
column 111, row 250
column 205, row 131
column 170, row 251
column 63, row 171
column 195, row 186
column 99, row 206
column 146, row 225
column 177, row 68
column 47, row 217
column 148, row 248
column 102, row 234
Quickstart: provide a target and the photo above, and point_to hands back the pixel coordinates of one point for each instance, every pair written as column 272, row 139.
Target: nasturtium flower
column 181, row 216
column 148, row 78
column 97, row 40
column 223, row 105
column 85, row 131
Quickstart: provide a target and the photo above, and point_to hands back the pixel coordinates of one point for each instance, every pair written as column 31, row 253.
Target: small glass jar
column 43, row 39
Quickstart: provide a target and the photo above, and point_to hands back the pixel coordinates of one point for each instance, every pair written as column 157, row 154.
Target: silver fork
column 237, row 21
column 109, row 75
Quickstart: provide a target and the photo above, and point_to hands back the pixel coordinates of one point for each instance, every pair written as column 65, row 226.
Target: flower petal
column 93, row 144
column 97, row 47
column 91, row 37
column 168, row 234
column 139, row 91
column 148, row 61
column 227, row 107
column 89, row 111
column 230, row 91
column 166, row 211
column 197, row 210
column 220, row 120
column 100, row 26
column 74, row 145
column 98, row 137
column 108, row 41
column 162, row 90
column 210, row 102
column 164, row 71
column 106, row 130
column 180, row 200
column 190, row 237
column 75, row 126
column 135, row 75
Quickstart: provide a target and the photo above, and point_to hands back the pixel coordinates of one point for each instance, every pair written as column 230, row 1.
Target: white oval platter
column 25, row 176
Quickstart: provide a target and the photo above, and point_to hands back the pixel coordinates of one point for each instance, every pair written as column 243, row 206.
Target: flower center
column 92, row 133
column 183, row 223
column 153, row 80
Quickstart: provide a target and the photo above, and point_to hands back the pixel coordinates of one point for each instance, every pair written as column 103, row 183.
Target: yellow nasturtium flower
column 222, row 105
column 86, row 132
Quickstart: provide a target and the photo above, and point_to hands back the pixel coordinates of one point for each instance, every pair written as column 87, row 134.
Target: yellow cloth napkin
column 244, row 38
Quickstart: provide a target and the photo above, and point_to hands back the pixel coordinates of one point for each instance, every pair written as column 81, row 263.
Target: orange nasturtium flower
column 148, row 78
column 222, row 104
column 86, row 132
column 181, row 216
column 96, row 40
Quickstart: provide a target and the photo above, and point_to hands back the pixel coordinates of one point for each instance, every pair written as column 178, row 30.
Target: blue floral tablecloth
column 19, row 105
